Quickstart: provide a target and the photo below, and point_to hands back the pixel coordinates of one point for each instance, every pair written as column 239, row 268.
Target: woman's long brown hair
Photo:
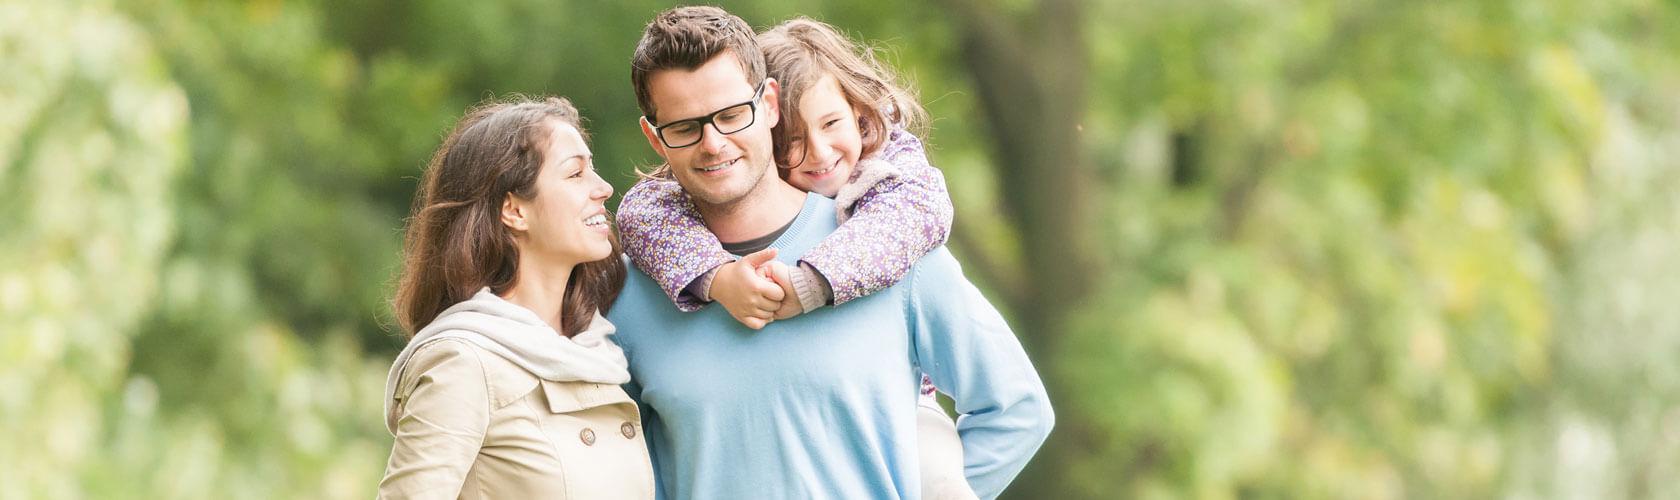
column 455, row 242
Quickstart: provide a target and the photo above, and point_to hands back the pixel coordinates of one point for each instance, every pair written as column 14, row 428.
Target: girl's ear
column 513, row 214
column 866, row 124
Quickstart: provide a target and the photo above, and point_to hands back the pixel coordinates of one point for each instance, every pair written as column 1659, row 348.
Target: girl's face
column 567, row 219
column 830, row 141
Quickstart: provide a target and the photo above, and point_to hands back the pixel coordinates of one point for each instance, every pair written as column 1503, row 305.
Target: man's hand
column 748, row 295
column 781, row 274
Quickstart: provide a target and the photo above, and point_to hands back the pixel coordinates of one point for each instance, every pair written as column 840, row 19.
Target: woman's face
column 567, row 219
column 830, row 141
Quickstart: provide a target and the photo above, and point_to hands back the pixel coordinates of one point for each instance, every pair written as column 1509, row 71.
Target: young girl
column 843, row 134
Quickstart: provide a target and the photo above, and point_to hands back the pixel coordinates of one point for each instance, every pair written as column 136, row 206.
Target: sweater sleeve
column 893, row 223
column 665, row 237
column 441, row 423
column 963, row 344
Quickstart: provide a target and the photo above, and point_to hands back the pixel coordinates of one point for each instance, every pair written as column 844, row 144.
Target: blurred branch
column 1236, row 198
column 1349, row 25
column 28, row 141
column 1030, row 71
column 991, row 33
column 1004, row 277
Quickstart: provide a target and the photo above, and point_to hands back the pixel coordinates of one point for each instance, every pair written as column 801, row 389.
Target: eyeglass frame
column 709, row 119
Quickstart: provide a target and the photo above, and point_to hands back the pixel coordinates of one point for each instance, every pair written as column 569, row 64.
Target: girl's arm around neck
column 665, row 237
column 895, row 220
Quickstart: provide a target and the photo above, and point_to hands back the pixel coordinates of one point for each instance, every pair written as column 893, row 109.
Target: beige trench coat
column 471, row 424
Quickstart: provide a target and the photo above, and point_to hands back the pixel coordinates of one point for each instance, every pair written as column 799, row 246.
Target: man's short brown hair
column 685, row 38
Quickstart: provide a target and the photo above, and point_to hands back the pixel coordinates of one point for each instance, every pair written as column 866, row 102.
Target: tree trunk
column 1030, row 72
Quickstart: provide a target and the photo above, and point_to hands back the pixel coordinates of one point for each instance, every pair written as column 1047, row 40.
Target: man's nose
column 711, row 140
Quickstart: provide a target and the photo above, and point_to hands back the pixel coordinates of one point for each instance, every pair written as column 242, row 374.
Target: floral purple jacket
column 895, row 210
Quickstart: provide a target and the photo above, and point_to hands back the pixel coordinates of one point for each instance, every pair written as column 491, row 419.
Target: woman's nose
column 603, row 189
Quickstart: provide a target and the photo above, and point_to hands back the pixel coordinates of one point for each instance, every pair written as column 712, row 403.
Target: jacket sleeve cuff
column 812, row 289
column 701, row 288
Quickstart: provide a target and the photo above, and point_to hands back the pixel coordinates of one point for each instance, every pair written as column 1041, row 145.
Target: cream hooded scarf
column 516, row 333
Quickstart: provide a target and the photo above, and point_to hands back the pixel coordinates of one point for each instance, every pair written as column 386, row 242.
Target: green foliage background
column 1335, row 249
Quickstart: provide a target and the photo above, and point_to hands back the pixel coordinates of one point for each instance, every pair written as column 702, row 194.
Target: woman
column 509, row 385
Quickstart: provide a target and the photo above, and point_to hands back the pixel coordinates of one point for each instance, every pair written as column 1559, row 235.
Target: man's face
column 719, row 169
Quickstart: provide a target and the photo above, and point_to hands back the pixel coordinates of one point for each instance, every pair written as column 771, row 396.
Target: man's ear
column 772, row 101
column 513, row 214
column 653, row 138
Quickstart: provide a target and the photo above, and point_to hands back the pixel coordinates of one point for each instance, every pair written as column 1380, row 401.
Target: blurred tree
column 91, row 136
column 1308, row 250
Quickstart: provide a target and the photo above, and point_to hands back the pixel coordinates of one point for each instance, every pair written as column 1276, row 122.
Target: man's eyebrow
column 706, row 114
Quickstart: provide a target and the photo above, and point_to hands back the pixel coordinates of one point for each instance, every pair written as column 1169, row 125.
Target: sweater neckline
column 800, row 223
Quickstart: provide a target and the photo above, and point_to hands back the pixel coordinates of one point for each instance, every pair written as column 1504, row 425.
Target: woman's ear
column 513, row 213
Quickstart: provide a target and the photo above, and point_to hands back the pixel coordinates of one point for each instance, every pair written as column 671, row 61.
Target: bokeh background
column 1257, row 249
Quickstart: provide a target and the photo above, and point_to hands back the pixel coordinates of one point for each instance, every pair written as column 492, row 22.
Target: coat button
column 628, row 430
column 588, row 436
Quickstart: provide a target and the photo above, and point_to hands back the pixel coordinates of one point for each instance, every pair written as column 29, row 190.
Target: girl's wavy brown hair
column 800, row 52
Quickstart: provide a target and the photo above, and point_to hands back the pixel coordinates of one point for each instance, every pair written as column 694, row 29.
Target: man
column 822, row 405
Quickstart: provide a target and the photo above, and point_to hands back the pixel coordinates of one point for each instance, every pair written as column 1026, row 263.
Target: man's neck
column 771, row 206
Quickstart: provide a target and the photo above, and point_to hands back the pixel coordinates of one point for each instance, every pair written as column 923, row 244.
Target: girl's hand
column 781, row 274
column 749, row 296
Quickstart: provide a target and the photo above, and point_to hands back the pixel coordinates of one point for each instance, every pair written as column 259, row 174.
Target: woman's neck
column 541, row 287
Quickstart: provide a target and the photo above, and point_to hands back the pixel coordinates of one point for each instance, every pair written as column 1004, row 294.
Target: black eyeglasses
column 729, row 120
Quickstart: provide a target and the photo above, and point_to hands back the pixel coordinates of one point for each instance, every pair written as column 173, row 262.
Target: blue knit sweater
column 824, row 405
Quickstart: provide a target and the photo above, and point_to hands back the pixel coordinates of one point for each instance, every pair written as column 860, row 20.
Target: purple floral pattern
column 665, row 237
column 892, row 225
